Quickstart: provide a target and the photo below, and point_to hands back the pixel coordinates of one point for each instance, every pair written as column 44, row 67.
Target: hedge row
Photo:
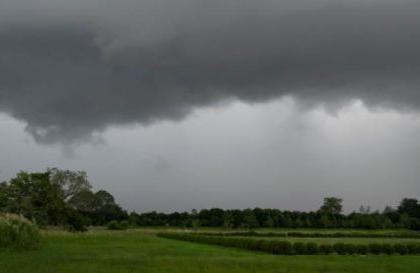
column 297, row 234
column 298, row 248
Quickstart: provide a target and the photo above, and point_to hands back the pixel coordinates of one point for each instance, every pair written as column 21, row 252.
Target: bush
column 362, row 249
column 413, row 248
column 326, row 249
column 401, row 249
column 299, row 248
column 350, row 249
column 75, row 221
column 265, row 245
column 282, row 248
column 124, row 224
column 340, row 248
column 388, row 249
column 312, row 248
column 375, row 249
column 115, row 225
column 18, row 233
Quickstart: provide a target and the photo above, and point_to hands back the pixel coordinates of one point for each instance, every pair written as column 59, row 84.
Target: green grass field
column 140, row 251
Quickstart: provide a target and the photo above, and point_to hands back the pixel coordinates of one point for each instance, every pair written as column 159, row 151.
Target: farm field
column 342, row 240
column 102, row 251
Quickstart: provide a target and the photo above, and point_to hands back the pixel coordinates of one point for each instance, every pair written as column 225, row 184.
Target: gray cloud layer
column 69, row 69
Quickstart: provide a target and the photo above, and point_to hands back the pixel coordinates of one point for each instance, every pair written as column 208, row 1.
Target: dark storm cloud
column 143, row 61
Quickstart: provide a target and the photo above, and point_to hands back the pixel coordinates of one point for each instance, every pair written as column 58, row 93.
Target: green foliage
column 18, row 233
column 115, row 225
column 312, row 248
column 340, row 248
column 332, row 206
column 70, row 183
column 64, row 198
column 58, row 198
column 362, row 249
column 297, row 248
column 401, row 249
column 274, row 218
column 410, row 206
column 299, row 234
column 325, row 249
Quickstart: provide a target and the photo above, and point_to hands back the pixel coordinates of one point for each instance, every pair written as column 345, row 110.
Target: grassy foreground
column 139, row 251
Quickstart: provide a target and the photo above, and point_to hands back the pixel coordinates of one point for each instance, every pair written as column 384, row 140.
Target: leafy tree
column 332, row 205
column 228, row 220
column 104, row 198
column 35, row 197
column 249, row 219
column 364, row 210
column 83, row 201
column 58, row 198
column 269, row 222
column 70, row 182
column 106, row 209
column 410, row 206
column 325, row 221
column 3, row 196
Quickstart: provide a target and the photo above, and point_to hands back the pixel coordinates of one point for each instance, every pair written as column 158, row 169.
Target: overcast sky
column 174, row 105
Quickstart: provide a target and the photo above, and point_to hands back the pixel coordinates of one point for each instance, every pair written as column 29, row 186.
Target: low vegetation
column 299, row 234
column 17, row 233
column 115, row 225
column 298, row 248
column 141, row 251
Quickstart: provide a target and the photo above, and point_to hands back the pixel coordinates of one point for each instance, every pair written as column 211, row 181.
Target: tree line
column 65, row 198
column 328, row 216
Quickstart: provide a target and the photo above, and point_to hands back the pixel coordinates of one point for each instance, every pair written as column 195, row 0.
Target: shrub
column 312, row 248
column 75, row 221
column 362, row 249
column 124, row 224
column 17, row 232
column 299, row 248
column 282, row 248
column 340, row 248
column 326, row 249
column 401, row 249
column 388, row 249
column 115, row 225
column 350, row 249
column 413, row 248
column 375, row 249
column 266, row 246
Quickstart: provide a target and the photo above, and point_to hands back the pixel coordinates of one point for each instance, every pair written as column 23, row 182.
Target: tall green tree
column 69, row 182
column 35, row 197
column 410, row 206
column 332, row 206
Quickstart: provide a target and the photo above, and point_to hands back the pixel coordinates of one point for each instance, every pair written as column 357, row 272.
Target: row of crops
column 285, row 247
column 299, row 234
